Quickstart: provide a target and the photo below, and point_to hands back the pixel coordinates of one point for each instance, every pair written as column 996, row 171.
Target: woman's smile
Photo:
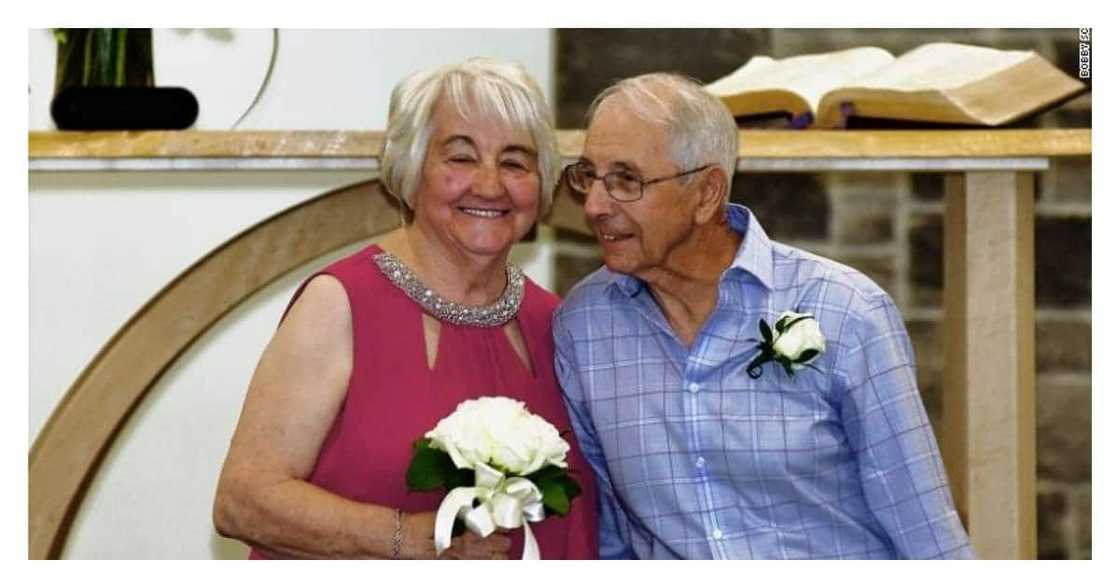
column 484, row 212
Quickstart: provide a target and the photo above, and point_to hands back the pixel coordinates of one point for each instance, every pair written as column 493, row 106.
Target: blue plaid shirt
column 694, row 459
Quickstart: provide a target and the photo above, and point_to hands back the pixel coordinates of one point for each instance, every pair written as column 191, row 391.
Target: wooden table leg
column 989, row 376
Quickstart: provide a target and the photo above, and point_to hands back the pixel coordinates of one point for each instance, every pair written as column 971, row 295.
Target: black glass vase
column 105, row 80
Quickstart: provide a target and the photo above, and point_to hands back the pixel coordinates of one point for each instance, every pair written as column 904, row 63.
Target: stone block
column 863, row 206
column 1063, row 345
column 927, row 187
column 1067, row 55
column 1040, row 41
column 926, row 246
column 1063, row 256
column 1065, row 431
column 790, row 42
column 1084, row 509
column 880, row 268
column 1053, row 510
column 925, row 336
column 589, row 60
column 1072, row 180
column 790, row 207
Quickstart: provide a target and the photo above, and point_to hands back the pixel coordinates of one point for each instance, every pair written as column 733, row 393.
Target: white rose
column 458, row 435
column 802, row 336
column 501, row 432
column 534, row 444
column 514, row 447
column 526, row 444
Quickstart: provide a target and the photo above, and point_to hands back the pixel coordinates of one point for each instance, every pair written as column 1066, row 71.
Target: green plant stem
column 87, row 58
column 122, row 39
column 103, row 63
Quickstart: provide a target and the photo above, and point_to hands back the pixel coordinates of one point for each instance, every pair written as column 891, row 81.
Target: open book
column 944, row 83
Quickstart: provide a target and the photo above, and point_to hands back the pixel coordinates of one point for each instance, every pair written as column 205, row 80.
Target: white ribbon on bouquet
column 505, row 503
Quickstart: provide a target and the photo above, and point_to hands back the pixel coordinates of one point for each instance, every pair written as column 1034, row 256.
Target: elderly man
column 736, row 397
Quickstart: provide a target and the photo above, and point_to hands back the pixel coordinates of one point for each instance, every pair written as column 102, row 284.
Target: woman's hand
column 417, row 541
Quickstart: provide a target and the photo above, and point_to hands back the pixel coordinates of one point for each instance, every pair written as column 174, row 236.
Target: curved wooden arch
column 72, row 444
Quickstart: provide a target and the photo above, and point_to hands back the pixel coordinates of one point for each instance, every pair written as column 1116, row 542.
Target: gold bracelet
column 397, row 535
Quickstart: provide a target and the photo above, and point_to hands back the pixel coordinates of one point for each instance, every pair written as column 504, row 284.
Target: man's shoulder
column 817, row 276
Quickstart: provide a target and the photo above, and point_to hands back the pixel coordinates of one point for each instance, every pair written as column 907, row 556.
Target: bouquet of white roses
column 503, row 467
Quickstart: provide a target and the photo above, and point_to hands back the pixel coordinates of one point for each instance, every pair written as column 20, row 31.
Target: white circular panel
column 223, row 68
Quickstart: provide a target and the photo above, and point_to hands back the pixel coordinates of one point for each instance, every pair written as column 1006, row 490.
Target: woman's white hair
column 701, row 130
column 478, row 86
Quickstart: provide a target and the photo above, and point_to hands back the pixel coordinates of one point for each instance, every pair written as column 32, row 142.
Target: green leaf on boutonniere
column 795, row 321
column 807, row 355
column 754, row 370
column 767, row 335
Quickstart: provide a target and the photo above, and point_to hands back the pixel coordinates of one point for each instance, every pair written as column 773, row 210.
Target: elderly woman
column 376, row 348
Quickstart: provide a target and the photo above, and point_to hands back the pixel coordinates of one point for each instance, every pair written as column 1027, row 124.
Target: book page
column 940, row 66
column 810, row 76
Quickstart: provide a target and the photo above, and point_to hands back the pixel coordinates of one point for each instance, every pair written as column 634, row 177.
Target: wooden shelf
column 1000, row 143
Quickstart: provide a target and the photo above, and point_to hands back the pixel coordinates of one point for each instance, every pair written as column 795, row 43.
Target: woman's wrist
column 416, row 535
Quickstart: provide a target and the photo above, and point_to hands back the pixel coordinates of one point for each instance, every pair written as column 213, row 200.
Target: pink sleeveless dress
column 394, row 398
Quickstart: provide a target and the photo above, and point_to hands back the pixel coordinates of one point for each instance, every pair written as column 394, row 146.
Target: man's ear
column 712, row 184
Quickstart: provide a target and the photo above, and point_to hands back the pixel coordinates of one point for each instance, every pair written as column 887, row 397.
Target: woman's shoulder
column 341, row 280
column 359, row 273
column 322, row 296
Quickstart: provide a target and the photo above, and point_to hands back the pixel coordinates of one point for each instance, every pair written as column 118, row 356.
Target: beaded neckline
column 494, row 314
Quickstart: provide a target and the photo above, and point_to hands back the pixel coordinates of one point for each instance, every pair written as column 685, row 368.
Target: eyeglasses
column 622, row 185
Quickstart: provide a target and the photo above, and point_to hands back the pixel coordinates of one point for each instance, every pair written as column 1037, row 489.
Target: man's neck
column 686, row 287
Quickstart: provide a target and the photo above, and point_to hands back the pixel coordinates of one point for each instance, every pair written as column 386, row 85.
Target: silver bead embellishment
column 494, row 314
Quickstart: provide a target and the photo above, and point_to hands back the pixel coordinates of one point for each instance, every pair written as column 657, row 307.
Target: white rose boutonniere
column 503, row 467
column 794, row 342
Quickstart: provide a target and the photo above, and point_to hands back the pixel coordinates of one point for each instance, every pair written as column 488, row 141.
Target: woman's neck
column 459, row 277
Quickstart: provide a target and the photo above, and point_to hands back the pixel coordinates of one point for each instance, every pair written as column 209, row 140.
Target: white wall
column 322, row 79
column 102, row 244
column 153, row 495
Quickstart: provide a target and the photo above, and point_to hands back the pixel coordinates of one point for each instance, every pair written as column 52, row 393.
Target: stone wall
column 889, row 225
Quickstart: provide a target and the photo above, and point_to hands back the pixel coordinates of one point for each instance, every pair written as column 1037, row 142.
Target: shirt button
column 694, row 387
column 700, row 461
column 717, row 534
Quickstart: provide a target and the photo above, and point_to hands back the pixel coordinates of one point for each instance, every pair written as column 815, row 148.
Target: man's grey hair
column 478, row 86
column 701, row 130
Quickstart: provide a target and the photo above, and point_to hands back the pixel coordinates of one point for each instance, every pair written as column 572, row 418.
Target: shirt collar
column 755, row 255
column 756, row 252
